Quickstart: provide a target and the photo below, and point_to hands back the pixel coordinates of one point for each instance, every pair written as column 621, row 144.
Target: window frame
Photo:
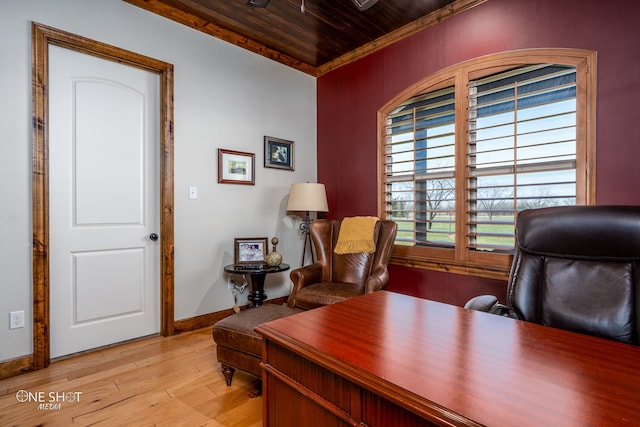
column 459, row 259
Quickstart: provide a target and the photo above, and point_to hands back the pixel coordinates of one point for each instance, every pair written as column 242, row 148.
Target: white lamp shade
column 308, row 197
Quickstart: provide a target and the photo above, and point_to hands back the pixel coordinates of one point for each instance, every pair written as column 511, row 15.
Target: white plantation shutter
column 467, row 148
column 420, row 169
column 521, row 149
column 521, row 153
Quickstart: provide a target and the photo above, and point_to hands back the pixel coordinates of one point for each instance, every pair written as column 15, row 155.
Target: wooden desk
column 388, row 359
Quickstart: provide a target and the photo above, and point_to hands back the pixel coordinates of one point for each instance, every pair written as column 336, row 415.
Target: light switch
column 193, row 193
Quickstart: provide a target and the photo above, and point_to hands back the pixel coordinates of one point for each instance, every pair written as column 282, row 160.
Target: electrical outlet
column 16, row 319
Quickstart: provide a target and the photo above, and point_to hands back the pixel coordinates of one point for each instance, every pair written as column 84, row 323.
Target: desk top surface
column 465, row 367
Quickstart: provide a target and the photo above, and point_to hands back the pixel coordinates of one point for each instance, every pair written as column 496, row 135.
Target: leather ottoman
column 238, row 346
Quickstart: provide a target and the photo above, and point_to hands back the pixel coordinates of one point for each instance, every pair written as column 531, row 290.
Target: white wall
column 224, row 97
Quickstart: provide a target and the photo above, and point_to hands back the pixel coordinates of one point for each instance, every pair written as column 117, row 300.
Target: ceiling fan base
column 258, row 3
column 360, row 4
column 364, row 4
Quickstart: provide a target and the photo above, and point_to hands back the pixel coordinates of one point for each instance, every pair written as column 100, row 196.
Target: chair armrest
column 302, row 277
column 377, row 280
column 488, row 304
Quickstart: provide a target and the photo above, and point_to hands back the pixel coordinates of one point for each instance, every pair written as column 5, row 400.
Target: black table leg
column 257, row 275
column 256, row 285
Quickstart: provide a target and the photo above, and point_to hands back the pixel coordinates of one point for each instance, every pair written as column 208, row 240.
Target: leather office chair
column 576, row 268
column 333, row 277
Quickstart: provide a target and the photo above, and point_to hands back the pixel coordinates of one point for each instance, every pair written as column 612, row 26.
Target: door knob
column 153, row 236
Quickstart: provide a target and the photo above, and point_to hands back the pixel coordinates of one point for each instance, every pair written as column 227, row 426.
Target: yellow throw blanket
column 356, row 235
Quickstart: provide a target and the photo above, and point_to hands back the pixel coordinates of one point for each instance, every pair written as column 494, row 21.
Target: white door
column 103, row 202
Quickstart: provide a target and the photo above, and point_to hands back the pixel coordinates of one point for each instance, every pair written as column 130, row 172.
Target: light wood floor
column 174, row 381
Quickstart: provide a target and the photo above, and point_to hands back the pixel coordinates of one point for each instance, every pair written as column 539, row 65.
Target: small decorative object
column 278, row 153
column 250, row 250
column 235, row 290
column 236, row 167
column 274, row 259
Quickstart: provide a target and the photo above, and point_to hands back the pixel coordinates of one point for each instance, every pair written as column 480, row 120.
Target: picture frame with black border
column 279, row 153
column 250, row 250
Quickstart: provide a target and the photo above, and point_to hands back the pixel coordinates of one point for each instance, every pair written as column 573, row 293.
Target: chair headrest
column 589, row 232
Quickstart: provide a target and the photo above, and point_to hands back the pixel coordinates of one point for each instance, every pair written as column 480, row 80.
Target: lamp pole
column 304, row 227
column 307, row 197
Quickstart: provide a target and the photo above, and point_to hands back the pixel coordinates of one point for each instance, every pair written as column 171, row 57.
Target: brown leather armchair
column 576, row 268
column 333, row 278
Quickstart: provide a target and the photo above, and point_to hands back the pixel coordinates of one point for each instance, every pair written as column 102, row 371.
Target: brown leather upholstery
column 333, row 278
column 238, row 346
column 577, row 268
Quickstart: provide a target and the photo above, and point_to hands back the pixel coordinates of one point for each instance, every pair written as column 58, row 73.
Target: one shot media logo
column 48, row 401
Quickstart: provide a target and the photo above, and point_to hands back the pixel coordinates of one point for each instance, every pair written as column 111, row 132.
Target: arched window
column 464, row 150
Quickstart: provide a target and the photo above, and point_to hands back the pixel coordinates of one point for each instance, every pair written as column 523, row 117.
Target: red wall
column 349, row 98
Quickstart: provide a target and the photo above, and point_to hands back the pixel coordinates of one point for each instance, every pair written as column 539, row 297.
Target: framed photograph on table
column 251, row 250
column 278, row 153
column 236, row 167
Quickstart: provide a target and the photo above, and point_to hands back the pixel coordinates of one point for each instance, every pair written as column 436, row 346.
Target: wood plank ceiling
column 329, row 34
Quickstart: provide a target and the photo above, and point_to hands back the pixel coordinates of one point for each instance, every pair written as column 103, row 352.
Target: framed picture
column 278, row 153
column 251, row 250
column 236, row 167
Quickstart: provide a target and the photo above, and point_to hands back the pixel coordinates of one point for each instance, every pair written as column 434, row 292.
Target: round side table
column 257, row 275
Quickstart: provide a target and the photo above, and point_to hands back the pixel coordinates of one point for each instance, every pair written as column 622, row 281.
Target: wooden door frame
column 42, row 37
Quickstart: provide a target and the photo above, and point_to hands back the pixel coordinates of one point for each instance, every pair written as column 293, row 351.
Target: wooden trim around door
column 42, row 37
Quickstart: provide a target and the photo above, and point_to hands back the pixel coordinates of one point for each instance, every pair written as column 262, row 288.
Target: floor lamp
column 307, row 197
